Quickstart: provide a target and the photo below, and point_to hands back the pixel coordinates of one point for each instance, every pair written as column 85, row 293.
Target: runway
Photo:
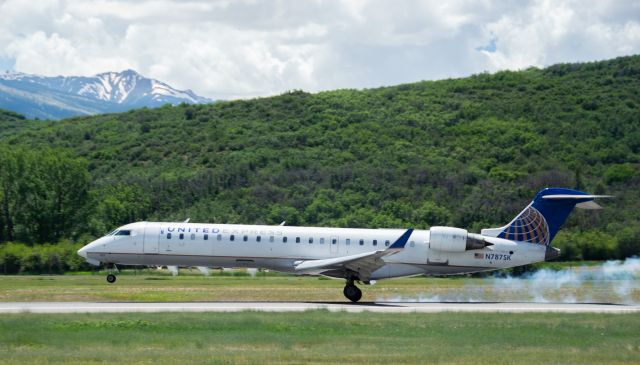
column 380, row 307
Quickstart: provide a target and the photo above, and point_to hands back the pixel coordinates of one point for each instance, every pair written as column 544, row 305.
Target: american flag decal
column 478, row 255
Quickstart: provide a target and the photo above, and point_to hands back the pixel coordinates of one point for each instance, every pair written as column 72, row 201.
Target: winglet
column 400, row 242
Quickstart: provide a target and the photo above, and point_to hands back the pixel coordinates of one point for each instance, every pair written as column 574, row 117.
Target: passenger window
column 258, row 239
column 206, row 237
column 270, row 238
column 310, row 239
column 375, row 242
column 232, row 237
column 168, row 236
column 348, row 242
column 361, row 242
column 193, row 236
column 322, row 240
column 334, row 241
column 297, row 239
column 219, row 237
column 245, row 238
column 181, row 236
column 386, row 242
column 284, row 239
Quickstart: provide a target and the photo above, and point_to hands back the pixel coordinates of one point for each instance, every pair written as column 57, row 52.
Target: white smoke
column 609, row 282
column 173, row 270
column 204, row 270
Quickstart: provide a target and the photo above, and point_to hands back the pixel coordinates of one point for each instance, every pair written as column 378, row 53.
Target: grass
column 154, row 286
column 319, row 337
column 166, row 288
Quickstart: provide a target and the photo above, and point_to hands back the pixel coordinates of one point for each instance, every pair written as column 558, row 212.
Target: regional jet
column 353, row 254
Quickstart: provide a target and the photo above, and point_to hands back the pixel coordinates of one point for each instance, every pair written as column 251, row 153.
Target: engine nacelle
column 453, row 239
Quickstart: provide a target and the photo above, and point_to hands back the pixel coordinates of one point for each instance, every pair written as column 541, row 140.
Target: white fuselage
column 280, row 247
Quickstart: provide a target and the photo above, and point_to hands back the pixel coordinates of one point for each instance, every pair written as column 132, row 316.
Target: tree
column 629, row 242
column 42, row 193
column 10, row 177
column 116, row 205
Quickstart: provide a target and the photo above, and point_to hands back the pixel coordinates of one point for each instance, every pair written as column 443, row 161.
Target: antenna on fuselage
column 187, row 220
column 283, row 222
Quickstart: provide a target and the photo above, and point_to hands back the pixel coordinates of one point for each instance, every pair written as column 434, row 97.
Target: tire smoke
column 610, row 282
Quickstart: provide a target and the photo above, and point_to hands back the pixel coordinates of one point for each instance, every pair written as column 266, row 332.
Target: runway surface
column 382, row 307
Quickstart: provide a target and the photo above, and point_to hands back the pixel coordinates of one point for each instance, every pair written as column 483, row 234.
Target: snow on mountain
column 60, row 97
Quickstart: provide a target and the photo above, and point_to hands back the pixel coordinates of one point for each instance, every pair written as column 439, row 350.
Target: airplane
column 353, row 254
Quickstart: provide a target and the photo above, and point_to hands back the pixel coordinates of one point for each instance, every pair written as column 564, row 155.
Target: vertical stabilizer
column 540, row 220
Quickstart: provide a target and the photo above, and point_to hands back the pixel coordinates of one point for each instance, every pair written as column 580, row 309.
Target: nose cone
column 83, row 251
column 91, row 247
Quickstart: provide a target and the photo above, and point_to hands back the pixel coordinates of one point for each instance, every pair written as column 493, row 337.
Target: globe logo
column 530, row 226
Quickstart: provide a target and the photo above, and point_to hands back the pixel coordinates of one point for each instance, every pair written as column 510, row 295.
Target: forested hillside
column 468, row 152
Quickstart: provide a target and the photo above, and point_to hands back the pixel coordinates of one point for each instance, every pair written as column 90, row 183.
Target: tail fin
column 542, row 218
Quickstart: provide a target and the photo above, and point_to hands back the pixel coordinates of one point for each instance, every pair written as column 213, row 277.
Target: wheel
column 352, row 292
column 111, row 278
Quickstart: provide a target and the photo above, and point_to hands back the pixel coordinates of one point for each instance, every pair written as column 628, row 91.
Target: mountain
column 61, row 97
column 467, row 152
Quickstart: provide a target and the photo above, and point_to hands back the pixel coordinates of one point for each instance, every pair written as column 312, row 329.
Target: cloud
column 231, row 49
column 547, row 32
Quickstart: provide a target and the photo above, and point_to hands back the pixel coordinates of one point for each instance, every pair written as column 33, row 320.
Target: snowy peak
column 106, row 92
column 111, row 86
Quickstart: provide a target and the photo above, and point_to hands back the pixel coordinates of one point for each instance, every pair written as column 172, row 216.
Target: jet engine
column 453, row 239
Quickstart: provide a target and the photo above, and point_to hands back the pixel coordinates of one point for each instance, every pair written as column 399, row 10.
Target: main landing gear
column 351, row 291
column 111, row 276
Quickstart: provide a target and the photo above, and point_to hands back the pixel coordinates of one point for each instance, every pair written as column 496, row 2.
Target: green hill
column 467, row 152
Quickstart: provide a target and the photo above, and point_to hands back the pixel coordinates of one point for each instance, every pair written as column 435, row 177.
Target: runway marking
column 380, row 307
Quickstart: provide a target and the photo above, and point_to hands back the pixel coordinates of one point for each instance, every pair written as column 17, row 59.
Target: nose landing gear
column 112, row 270
column 351, row 291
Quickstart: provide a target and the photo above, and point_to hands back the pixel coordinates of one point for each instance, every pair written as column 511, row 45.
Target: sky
column 243, row 49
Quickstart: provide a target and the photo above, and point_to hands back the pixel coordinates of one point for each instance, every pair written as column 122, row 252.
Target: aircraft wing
column 363, row 263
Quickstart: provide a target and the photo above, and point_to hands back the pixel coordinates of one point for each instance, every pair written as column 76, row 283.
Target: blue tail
column 541, row 220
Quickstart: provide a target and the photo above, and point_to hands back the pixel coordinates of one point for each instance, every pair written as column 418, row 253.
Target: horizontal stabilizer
column 569, row 196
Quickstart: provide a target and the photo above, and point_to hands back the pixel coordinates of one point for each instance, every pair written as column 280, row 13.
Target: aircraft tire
column 352, row 292
column 111, row 278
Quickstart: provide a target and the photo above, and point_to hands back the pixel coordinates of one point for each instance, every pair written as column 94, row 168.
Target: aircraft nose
column 83, row 251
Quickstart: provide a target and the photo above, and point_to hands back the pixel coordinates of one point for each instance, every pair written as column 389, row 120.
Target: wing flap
column 331, row 263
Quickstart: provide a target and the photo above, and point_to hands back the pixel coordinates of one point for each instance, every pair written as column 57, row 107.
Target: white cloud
column 547, row 32
column 228, row 49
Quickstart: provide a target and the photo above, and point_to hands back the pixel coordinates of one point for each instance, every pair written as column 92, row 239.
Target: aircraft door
column 150, row 239
column 334, row 242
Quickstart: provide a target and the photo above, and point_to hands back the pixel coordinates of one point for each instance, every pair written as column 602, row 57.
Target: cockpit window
column 123, row 232
column 111, row 233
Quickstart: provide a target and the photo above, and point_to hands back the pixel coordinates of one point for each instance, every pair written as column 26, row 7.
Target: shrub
column 19, row 258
